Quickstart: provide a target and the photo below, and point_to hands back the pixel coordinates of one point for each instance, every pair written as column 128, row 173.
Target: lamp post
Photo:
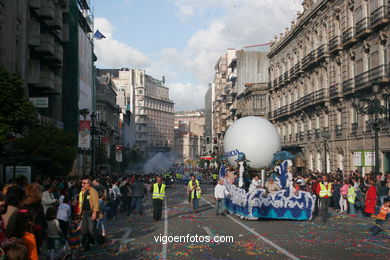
column 326, row 136
column 373, row 108
column 93, row 133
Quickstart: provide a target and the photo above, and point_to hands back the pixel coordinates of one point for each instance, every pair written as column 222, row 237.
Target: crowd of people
column 347, row 193
column 57, row 218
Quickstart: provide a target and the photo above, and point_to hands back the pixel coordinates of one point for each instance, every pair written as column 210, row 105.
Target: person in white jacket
column 220, row 194
column 48, row 199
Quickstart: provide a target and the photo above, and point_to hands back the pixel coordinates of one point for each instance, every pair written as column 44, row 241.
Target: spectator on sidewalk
column 371, row 198
column 343, row 197
column 13, row 198
column 89, row 210
column 220, row 192
column 138, row 191
column 48, row 199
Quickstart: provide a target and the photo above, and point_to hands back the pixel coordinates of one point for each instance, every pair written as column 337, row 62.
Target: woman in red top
column 370, row 203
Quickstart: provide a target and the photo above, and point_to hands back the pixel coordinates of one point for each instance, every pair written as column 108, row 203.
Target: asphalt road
column 342, row 237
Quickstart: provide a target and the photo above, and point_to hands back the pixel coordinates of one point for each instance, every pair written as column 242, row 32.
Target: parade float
column 254, row 142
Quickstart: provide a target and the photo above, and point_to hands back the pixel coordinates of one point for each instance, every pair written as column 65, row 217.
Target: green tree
column 52, row 143
column 16, row 112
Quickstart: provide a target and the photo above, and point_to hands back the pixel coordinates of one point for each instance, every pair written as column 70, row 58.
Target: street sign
column 11, row 173
column 40, row 102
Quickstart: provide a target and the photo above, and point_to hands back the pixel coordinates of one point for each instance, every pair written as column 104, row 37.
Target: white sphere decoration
column 254, row 136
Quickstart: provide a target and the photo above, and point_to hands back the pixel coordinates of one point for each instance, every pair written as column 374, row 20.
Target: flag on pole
column 222, row 171
column 98, row 35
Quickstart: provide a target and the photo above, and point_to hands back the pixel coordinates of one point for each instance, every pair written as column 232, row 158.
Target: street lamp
column 326, row 136
column 373, row 108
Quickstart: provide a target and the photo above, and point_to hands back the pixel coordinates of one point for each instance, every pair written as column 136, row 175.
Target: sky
column 183, row 39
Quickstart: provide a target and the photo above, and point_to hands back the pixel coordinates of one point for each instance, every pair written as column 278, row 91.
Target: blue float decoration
column 283, row 204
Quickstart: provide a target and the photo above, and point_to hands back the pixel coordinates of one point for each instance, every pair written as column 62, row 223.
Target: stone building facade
column 332, row 52
column 32, row 37
column 154, row 118
column 189, row 135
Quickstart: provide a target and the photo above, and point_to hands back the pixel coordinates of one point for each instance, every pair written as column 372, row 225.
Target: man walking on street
column 138, row 189
column 219, row 194
column 158, row 194
column 324, row 191
column 89, row 210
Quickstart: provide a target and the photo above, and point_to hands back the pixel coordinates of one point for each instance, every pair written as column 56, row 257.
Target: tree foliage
column 16, row 112
column 52, row 143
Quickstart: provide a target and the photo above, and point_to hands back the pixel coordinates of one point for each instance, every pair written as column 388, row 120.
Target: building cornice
column 296, row 29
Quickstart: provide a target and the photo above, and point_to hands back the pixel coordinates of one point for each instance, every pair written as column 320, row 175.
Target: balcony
column 320, row 95
column 301, row 136
column 335, row 44
column 308, row 133
column 47, row 45
column 275, row 83
column 339, row 130
column 380, row 74
column 280, row 80
column 35, row 4
column 348, row 36
column 47, row 10
column 322, row 52
column 347, row 86
column 286, row 78
column 56, row 23
column 298, row 69
column 362, row 27
column 294, row 105
column 280, row 111
column 354, row 128
column 47, row 79
column 379, row 16
column 269, row 115
column 309, row 60
column 34, row 33
column 334, row 91
column 317, row 133
column 361, row 79
column 292, row 73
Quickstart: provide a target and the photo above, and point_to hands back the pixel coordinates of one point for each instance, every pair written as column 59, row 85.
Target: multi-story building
column 208, row 125
column 189, row 134
column 32, row 37
column 333, row 51
column 252, row 77
column 222, row 88
column 154, row 117
column 123, row 80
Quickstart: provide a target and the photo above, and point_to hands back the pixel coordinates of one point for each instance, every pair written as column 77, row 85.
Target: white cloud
column 245, row 23
column 187, row 96
column 112, row 53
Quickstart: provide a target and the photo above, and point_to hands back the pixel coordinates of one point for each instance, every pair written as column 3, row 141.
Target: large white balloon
column 254, row 136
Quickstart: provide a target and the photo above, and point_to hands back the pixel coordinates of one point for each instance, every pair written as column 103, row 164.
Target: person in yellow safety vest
column 325, row 192
column 158, row 194
column 215, row 178
column 351, row 196
column 194, row 192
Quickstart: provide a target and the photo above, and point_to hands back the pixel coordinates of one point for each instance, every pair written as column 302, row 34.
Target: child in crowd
column 101, row 219
column 55, row 240
column 63, row 214
column 380, row 218
column 75, row 235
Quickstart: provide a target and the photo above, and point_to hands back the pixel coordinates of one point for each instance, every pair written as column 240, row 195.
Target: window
column 354, row 116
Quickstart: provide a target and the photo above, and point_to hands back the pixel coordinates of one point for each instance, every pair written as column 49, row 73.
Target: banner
column 357, row 159
column 369, row 158
column 118, row 153
column 84, row 135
